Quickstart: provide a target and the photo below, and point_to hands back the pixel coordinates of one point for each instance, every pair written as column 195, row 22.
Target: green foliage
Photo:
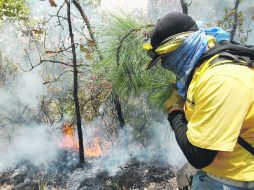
column 8, row 71
column 227, row 20
column 14, row 9
column 125, row 62
column 228, row 23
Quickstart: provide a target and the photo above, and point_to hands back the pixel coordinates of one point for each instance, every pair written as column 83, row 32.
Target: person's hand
column 174, row 103
column 174, row 107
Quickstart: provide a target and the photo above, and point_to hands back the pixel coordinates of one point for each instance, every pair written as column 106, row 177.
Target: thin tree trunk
column 237, row 2
column 184, row 6
column 119, row 112
column 75, row 86
column 116, row 100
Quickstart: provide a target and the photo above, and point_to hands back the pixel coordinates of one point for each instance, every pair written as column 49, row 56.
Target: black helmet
column 172, row 23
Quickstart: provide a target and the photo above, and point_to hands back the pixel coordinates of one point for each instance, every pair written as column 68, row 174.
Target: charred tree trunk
column 184, row 6
column 119, row 112
column 235, row 22
column 116, row 100
column 75, row 85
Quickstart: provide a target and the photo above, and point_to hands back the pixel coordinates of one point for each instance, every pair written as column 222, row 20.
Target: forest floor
column 65, row 174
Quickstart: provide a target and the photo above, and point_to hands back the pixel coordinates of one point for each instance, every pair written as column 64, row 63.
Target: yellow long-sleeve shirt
column 219, row 108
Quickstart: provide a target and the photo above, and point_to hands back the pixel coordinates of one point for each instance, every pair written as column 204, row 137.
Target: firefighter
column 213, row 115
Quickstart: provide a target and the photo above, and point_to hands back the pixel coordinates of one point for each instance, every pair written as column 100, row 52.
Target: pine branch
column 125, row 62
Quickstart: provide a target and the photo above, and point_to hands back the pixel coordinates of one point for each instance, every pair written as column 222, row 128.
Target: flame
column 69, row 140
column 93, row 149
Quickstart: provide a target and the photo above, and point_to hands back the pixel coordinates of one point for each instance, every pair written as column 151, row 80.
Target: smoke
column 26, row 89
column 164, row 138
column 12, row 42
column 20, row 101
column 34, row 143
column 124, row 6
column 39, row 10
column 19, row 90
column 161, row 146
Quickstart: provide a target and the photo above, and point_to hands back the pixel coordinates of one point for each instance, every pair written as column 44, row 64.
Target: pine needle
column 125, row 62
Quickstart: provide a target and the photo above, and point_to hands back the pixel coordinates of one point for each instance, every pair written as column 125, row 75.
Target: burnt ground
column 135, row 174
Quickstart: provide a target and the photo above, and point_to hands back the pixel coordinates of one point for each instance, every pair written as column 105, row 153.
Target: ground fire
column 93, row 148
column 69, row 140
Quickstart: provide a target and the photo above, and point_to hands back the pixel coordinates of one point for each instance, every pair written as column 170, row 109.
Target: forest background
column 81, row 64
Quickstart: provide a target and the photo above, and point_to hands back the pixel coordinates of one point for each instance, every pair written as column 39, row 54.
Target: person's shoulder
column 243, row 74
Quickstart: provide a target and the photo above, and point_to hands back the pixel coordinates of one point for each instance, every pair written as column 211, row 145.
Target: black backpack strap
column 238, row 59
column 245, row 145
column 232, row 48
column 233, row 59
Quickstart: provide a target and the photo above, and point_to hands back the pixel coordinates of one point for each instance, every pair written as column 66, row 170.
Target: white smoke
column 29, row 89
column 21, row 94
column 19, row 51
column 26, row 88
column 12, row 42
column 123, row 5
column 161, row 147
column 34, row 143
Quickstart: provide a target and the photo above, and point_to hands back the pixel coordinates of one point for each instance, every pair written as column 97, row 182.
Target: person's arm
column 197, row 157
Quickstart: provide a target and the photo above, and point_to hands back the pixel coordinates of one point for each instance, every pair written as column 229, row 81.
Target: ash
column 27, row 176
column 66, row 173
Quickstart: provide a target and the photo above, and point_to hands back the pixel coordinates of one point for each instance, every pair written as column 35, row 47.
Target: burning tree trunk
column 75, row 85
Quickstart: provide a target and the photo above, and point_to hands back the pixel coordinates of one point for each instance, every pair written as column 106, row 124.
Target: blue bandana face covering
column 183, row 60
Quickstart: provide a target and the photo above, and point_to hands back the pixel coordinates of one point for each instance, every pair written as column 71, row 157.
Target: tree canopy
column 14, row 9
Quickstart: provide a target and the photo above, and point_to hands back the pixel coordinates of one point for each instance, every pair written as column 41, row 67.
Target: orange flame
column 69, row 140
column 93, row 148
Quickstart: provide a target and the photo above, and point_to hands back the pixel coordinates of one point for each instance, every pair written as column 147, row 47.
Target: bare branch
column 58, row 16
column 43, row 61
column 53, row 61
column 60, row 50
column 57, row 78
column 87, row 22
column 85, row 18
column 29, row 58
column 75, row 16
column 82, row 34
column 46, row 21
